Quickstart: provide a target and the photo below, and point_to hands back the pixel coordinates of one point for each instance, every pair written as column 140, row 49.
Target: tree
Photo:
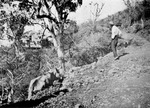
column 63, row 7
column 13, row 20
column 69, row 31
column 53, row 13
column 136, row 11
column 96, row 12
column 55, row 23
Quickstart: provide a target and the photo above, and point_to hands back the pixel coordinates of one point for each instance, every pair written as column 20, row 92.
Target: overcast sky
column 84, row 12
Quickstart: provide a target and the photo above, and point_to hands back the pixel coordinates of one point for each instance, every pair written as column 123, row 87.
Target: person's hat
column 111, row 23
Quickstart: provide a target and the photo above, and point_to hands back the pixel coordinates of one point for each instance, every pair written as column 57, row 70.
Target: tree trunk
column 57, row 37
column 60, row 51
column 61, row 48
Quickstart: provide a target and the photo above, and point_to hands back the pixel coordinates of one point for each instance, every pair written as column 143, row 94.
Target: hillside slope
column 107, row 83
column 124, row 83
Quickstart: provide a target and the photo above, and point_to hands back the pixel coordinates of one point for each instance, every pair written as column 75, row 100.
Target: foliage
column 88, row 56
column 17, row 14
column 15, row 18
column 137, row 10
column 69, row 31
column 36, row 63
column 49, row 60
column 89, row 46
column 146, row 31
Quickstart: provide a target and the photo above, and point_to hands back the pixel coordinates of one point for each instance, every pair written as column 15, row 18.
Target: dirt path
column 130, row 77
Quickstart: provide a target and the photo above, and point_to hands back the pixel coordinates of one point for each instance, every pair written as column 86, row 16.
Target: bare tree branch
column 50, row 18
column 98, row 10
column 49, row 13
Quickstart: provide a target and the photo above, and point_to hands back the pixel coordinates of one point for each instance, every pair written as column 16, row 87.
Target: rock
column 112, row 72
column 93, row 65
column 96, row 79
column 78, row 106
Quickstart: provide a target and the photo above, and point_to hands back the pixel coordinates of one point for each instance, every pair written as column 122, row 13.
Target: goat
column 43, row 81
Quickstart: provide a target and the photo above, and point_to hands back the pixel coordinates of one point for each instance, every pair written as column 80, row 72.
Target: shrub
column 88, row 56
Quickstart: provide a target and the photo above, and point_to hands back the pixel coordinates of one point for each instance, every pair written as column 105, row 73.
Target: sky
column 83, row 13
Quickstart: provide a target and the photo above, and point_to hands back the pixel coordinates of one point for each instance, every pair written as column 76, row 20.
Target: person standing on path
column 115, row 35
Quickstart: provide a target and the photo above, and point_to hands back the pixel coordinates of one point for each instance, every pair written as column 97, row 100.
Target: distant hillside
column 123, row 18
column 89, row 37
column 101, row 35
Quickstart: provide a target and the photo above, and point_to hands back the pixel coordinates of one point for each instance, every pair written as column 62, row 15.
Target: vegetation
column 61, row 41
column 24, row 63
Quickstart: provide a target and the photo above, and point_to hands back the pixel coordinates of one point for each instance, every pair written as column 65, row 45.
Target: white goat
column 45, row 80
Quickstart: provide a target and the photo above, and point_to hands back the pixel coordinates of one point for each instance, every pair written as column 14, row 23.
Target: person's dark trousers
column 114, row 43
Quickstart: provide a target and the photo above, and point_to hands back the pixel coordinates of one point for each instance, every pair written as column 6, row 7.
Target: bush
column 88, row 56
column 36, row 63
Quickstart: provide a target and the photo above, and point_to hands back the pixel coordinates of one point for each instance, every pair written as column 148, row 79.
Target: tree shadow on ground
column 122, row 55
column 32, row 103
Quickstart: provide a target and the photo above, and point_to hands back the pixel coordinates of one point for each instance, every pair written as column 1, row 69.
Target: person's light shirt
column 115, row 32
